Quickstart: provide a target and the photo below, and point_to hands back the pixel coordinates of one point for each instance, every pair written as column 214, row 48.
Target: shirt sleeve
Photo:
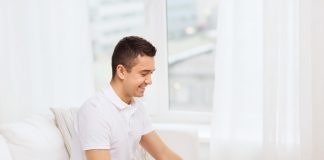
column 147, row 124
column 93, row 129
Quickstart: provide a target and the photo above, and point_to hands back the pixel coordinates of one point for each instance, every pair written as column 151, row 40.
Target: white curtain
column 45, row 57
column 269, row 81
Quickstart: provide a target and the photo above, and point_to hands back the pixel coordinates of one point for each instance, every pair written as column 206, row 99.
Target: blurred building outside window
column 191, row 28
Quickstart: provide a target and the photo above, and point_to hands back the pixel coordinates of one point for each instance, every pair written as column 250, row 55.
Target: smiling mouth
column 141, row 88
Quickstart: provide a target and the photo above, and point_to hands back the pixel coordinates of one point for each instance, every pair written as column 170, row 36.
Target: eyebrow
column 147, row 70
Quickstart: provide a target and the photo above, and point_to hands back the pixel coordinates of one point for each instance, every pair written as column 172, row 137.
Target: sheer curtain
column 268, row 81
column 45, row 57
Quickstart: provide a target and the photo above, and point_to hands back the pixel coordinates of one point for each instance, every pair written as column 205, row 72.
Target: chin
column 139, row 95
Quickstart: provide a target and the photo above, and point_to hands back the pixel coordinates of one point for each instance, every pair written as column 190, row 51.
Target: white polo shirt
column 106, row 122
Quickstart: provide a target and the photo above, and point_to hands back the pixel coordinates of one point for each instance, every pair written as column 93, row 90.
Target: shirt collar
column 110, row 93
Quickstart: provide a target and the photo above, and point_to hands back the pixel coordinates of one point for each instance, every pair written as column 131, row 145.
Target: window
column 184, row 63
column 191, row 32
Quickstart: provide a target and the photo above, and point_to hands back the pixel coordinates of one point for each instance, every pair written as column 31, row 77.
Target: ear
column 120, row 71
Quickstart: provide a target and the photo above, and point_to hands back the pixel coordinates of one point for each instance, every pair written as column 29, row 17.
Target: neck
column 119, row 90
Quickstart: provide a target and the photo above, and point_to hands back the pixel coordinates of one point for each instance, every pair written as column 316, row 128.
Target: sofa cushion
column 36, row 138
column 4, row 149
column 64, row 121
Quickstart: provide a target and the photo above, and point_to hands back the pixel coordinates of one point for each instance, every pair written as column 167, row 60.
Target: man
column 112, row 124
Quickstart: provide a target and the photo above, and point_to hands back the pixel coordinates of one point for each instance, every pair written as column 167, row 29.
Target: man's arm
column 98, row 154
column 153, row 144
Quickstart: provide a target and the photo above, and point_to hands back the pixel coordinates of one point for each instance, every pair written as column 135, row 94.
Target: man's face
column 139, row 76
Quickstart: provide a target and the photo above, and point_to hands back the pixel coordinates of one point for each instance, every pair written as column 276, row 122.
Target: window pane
column 110, row 20
column 191, row 44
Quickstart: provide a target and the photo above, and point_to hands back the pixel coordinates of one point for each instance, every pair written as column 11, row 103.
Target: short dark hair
column 128, row 49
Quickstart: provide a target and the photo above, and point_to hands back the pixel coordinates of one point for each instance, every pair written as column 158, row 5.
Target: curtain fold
column 237, row 121
column 45, row 53
column 264, row 81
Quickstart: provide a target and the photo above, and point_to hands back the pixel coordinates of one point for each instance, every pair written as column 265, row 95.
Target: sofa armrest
column 4, row 149
column 182, row 141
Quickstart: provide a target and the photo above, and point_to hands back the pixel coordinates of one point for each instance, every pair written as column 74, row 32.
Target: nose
column 148, row 80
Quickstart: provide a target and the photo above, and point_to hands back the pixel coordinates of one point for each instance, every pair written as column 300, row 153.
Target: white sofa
column 40, row 138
